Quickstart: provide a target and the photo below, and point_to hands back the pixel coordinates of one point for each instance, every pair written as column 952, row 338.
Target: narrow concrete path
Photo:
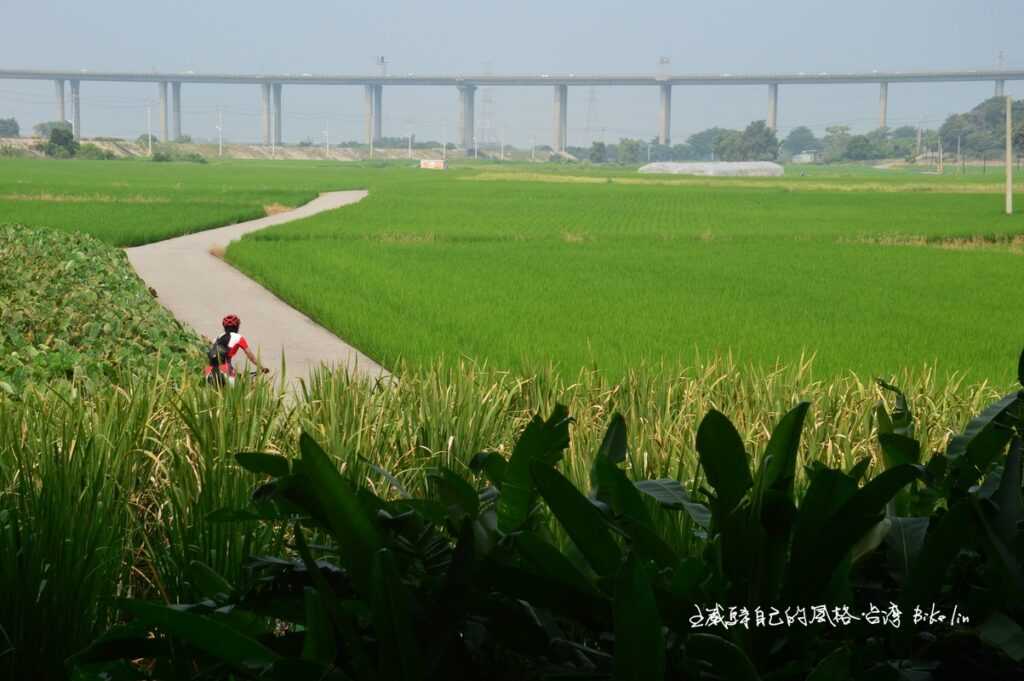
column 200, row 289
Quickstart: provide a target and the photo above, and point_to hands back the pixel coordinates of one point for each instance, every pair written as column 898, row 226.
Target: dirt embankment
column 25, row 146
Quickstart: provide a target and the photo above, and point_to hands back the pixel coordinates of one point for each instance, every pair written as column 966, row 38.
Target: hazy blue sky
column 520, row 36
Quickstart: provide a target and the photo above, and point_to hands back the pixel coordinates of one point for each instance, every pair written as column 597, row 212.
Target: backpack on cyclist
column 217, row 355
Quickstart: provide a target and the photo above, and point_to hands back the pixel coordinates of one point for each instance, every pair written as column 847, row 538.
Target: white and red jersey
column 236, row 342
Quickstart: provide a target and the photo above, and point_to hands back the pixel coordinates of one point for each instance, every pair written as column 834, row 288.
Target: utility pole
column 941, row 166
column 1009, row 155
column 959, row 158
column 149, row 128
column 410, row 146
column 476, row 150
column 220, row 132
column 533, row 149
column 273, row 137
column 503, row 144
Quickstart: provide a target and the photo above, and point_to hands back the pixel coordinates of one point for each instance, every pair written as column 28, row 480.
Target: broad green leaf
column 458, row 496
column 541, row 590
column 582, row 521
column 318, row 644
column 835, row 667
column 815, row 559
column 398, row 650
column 780, row 455
column 941, row 545
column 395, row 483
column 548, row 560
column 860, row 468
column 670, row 494
column 1012, row 581
column 203, row 633
column 1020, row 369
column 1002, row 632
column 982, row 440
column 356, row 536
column 899, row 449
column 541, row 441
column 619, row 491
column 902, row 422
column 1008, row 497
column 491, row 464
column 613, row 446
column 208, row 582
column 344, row 622
column 904, row 543
column 724, row 459
column 723, row 657
column 273, row 465
column 882, row 418
column 639, row 642
column 647, row 543
column 871, row 540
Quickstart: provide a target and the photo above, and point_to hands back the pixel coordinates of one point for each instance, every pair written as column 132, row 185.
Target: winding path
column 200, row 288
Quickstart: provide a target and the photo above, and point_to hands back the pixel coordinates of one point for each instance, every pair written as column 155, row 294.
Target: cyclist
column 219, row 370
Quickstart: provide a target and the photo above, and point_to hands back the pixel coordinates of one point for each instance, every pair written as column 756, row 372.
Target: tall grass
column 106, row 494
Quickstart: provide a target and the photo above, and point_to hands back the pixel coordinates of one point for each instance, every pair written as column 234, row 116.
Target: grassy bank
column 72, row 308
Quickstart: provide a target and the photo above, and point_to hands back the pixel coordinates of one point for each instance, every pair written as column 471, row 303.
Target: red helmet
column 231, row 320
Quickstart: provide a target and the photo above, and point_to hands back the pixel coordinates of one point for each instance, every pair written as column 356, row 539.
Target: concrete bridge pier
column 162, row 89
column 374, row 95
column 665, row 115
column 265, row 90
column 76, row 110
column 277, row 114
column 883, row 105
column 773, row 106
column 467, row 116
column 561, row 104
column 378, row 112
column 1000, row 87
column 176, row 110
column 58, row 85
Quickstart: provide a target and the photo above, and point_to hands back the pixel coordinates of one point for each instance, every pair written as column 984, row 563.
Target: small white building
column 807, row 156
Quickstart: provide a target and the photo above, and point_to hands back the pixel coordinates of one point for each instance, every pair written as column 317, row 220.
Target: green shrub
column 73, row 307
column 91, row 152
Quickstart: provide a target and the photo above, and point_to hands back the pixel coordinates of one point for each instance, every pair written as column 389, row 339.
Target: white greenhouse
column 717, row 168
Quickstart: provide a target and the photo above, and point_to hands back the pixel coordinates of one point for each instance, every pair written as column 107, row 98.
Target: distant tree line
column 979, row 132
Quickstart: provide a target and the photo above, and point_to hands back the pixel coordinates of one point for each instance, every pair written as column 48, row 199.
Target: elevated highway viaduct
column 271, row 86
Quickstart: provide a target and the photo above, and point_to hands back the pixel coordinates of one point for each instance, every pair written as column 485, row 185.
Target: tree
column 145, row 140
column 62, row 143
column 43, row 129
column 729, row 146
column 859, row 148
column 683, row 152
column 598, row 152
column 9, row 127
column 760, row 142
column 801, row 139
column 631, row 151
column 702, row 144
column 836, row 140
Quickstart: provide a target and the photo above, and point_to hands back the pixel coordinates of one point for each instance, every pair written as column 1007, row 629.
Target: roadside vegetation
column 123, row 485
column 73, row 310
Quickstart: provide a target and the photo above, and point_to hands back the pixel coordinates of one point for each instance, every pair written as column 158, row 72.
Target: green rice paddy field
column 869, row 271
